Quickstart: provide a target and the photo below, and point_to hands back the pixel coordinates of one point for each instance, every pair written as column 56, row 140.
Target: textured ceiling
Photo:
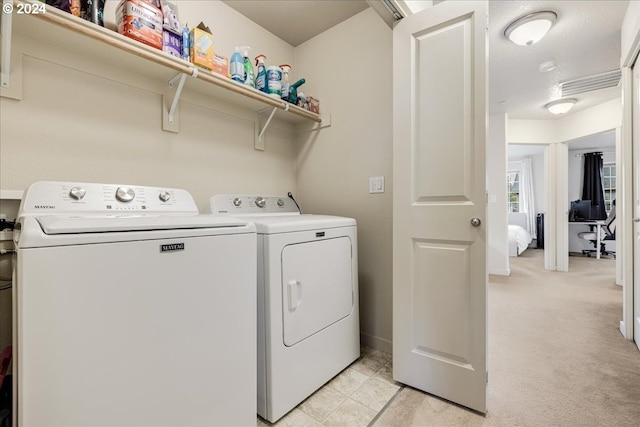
column 584, row 41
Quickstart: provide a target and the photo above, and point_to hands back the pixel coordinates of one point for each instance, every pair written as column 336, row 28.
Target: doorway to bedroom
column 591, row 181
column 526, row 197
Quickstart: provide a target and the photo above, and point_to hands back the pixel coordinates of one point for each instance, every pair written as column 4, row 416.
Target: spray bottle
column 249, row 78
column 285, row 81
column 185, row 42
column 236, row 66
column 293, row 91
column 261, row 77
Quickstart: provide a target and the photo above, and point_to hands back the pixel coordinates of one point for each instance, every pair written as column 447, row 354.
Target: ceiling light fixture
column 530, row 28
column 560, row 106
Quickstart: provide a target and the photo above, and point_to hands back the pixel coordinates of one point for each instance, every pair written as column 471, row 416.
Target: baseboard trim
column 376, row 343
column 506, row 272
column 622, row 329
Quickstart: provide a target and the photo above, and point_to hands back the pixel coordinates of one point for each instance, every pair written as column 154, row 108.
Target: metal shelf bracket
column 259, row 145
column 176, row 97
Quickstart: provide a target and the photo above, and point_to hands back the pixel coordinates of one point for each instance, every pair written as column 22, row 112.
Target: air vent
column 591, row 83
column 391, row 11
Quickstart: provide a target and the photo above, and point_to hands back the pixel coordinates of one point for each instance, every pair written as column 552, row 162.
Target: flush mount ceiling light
column 530, row 28
column 560, row 106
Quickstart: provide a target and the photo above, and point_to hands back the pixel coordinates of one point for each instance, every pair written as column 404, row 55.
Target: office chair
column 607, row 232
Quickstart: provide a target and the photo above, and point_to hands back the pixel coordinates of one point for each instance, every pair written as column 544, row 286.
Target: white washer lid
column 268, row 224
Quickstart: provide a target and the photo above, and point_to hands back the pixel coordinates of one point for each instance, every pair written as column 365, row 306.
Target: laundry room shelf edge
column 88, row 39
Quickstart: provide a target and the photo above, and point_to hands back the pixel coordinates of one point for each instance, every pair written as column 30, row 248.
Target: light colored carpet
column 556, row 355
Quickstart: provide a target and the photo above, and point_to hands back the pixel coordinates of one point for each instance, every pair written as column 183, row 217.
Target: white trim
column 550, row 261
column 11, row 194
column 501, row 272
column 562, row 207
column 630, row 48
column 624, row 209
column 376, row 343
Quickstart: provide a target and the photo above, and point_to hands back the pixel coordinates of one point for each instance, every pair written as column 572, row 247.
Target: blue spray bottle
column 261, row 76
column 236, row 66
column 185, row 43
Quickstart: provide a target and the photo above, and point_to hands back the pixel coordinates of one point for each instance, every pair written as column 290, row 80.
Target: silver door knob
column 636, row 219
column 476, row 222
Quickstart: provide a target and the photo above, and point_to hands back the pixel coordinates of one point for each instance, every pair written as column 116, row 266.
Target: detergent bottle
column 236, row 66
column 284, row 88
column 261, row 76
column 249, row 78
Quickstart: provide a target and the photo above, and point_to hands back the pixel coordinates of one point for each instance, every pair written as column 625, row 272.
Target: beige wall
column 593, row 120
column 350, row 66
column 88, row 120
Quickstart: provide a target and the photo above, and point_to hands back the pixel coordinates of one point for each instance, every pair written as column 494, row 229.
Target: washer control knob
column 260, row 202
column 77, row 193
column 125, row 194
column 164, row 196
column 237, row 202
column 280, row 203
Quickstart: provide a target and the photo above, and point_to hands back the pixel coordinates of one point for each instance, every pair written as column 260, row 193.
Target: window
column 609, row 184
column 513, row 182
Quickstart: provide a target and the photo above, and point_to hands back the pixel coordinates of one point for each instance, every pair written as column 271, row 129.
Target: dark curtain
column 592, row 185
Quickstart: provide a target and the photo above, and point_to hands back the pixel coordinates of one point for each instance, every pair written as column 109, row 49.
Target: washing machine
column 308, row 324
column 131, row 309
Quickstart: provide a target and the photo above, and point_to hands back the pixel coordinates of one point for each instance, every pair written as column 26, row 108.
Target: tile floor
column 353, row 398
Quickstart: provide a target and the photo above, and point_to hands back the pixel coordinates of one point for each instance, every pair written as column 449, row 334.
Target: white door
column 439, row 256
column 636, row 203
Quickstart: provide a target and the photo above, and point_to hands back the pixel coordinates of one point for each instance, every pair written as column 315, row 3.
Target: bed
column 519, row 237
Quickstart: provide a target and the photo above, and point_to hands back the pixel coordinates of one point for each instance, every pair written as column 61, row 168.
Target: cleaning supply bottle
column 284, row 88
column 236, row 66
column 293, row 91
column 185, row 42
column 261, row 76
column 249, row 78
column 274, row 81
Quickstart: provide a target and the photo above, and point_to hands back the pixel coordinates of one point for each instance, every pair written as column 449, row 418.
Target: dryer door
column 317, row 286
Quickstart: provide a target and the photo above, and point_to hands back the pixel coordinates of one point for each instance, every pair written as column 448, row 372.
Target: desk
column 598, row 225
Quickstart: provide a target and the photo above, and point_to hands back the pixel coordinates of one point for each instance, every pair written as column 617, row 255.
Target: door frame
column 628, row 57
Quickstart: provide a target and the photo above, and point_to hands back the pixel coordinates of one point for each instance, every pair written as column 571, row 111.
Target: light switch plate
column 376, row 184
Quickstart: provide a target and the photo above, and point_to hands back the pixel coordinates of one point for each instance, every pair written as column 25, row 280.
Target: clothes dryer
column 308, row 324
column 132, row 309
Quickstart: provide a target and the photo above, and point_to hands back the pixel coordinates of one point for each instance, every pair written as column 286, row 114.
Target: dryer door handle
column 294, row 289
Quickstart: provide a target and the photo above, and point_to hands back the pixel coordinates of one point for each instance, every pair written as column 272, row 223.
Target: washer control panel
column 232, row 204
column 52, row 197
